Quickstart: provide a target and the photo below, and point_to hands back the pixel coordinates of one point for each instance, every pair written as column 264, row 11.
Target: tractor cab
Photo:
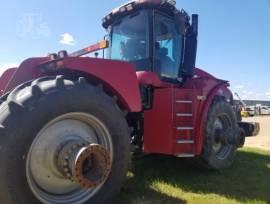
column 153, row 35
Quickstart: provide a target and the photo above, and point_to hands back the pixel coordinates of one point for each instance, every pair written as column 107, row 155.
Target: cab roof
column 167, row 6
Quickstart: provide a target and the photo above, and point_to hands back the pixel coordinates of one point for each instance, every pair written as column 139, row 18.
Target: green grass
column 161, row 180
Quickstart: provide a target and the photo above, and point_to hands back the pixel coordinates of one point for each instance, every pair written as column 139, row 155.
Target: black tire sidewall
column 22, row 124
column 208, row 154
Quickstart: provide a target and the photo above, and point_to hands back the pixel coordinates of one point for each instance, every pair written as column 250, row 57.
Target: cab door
column 169, row 125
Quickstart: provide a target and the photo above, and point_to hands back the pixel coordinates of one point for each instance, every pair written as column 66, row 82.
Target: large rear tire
column 58, row 106
column 215, row 154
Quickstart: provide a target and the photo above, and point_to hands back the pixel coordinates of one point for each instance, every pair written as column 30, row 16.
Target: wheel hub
column 88, row 165
column 221, row 132
column 226, row 137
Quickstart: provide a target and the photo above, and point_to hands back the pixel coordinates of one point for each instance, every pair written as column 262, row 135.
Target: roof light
column 115, row 10
column 108, row 17
column 134, row 4
column 149, row 1
column 129, row 7
column 172, row 2
column 122, row 9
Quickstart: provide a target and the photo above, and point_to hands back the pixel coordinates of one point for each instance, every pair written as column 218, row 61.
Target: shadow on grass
column 248, row 179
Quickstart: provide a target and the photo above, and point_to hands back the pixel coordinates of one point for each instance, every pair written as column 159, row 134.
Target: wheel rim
column 43, row 175
column 221, row 150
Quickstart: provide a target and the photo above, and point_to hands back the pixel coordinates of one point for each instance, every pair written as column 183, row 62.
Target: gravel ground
column 263, row 139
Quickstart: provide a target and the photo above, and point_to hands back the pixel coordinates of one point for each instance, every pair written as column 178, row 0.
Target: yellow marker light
column 100, row 45
column 103, row 44
column 92, row 48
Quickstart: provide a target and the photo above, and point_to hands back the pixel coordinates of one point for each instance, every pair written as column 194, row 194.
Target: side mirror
column 195, row 24
column 190, row 48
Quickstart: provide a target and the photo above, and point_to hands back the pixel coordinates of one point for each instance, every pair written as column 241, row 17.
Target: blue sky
column 234, row 38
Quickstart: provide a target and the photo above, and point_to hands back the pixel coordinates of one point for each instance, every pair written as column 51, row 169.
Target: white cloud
column 267, row 94
column 4, row 67
column 67, row 39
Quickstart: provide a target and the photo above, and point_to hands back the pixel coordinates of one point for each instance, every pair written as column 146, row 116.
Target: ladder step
column 183, row 101
column 184, row 128
column 185, row 142
column 185, row 155
column 184, row 114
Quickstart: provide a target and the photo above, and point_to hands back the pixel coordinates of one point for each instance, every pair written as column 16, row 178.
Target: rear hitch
column 247, row 130
column 230, row 137
column 251, row 129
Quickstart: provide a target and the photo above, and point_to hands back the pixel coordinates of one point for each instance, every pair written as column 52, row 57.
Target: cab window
column 130, row 40
column 168, row 47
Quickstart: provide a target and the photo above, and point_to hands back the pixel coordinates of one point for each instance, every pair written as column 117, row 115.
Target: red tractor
column 68, row 122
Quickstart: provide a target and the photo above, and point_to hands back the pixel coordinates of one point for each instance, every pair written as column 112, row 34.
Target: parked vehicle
column 243, row 106
column 264, row 110
column 67, row 122
column 250, row 110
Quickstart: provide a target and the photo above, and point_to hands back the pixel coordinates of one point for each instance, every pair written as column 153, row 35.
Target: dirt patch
column 263, row 139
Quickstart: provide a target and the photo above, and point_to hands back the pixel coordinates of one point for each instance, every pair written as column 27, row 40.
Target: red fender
column 119, row 77
column 220, row 90
column 28, row 70
column 208, row 87
column 5, row 78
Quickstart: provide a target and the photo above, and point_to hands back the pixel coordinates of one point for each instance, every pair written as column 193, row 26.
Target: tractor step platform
column 183, row 121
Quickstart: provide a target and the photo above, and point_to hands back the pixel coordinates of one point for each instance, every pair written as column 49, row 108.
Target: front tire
column 215, row 154
column 28, row 110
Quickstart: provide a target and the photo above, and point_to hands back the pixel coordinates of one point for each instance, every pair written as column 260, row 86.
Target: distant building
column 254, row 102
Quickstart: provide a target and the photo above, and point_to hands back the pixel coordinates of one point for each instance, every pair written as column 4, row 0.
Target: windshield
column 130, row 40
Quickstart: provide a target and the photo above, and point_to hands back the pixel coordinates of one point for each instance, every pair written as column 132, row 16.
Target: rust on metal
column 88, row 165
column 92, row 166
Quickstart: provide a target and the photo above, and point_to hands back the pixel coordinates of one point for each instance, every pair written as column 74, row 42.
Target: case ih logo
column 33, row 24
